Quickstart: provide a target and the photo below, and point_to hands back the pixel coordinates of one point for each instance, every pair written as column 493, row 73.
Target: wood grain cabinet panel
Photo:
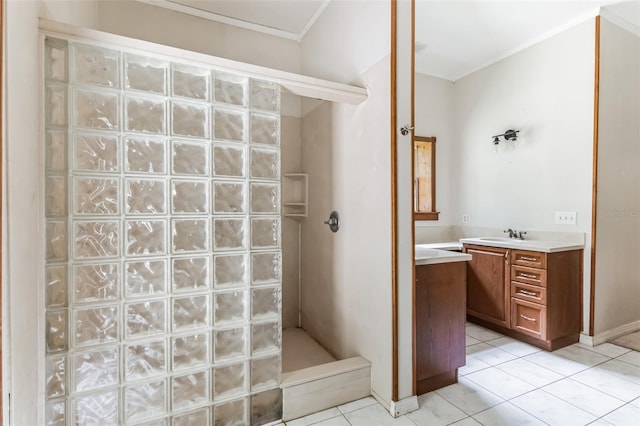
column 439, row 324
column 488, row 284
column 529, row 292
column 543, row 304
column 533, row 259
column 528, row 275
column 529, row 318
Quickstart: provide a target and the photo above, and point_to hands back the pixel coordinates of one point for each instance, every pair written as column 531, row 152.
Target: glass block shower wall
column 163, row 261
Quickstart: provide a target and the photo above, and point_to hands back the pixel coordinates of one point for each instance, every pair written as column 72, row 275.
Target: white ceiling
column 453, row 38
column 456, row 38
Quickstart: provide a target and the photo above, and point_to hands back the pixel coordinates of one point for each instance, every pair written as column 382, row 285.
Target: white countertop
column 545, row 246
column 429, row 256
column 447, row 245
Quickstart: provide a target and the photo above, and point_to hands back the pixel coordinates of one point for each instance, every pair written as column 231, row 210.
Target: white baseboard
column 404, row 406
column 607, row 336
column 380, row 399
column 397, row 408
column 586, row 339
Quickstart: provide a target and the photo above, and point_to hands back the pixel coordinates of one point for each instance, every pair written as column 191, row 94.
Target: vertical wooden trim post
column 594, row 197
column 394, row 216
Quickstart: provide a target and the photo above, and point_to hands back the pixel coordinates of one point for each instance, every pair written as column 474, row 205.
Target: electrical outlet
column 566, row 218
column 466, row 218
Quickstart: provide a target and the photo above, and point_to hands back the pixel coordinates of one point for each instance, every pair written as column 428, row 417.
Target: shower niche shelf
column 295, row 189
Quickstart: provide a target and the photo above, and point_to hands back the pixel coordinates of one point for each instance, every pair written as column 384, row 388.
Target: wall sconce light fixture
column 508, row 135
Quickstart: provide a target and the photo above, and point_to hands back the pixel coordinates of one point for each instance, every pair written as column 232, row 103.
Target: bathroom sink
column 548, row 246
column 502, row 240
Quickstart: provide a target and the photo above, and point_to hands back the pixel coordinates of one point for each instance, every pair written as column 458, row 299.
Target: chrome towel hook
column 333, row 221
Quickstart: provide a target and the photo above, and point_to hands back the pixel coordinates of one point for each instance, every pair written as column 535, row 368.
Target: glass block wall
column 163, row 261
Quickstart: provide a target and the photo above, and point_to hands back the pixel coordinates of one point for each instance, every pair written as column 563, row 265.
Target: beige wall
column 183, row 31
column 291, row 162
column 617, row 291
column 346, row 276
column 346, row 40
column 83, row 13
column 23, row 227
column 319, row 284
column 435, row 116
column 546, row 92
column 345, row 285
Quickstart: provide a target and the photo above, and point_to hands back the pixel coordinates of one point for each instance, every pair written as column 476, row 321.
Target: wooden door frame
column 1, row 192
column 394, row 215
column 594, row 188
column 394, row 203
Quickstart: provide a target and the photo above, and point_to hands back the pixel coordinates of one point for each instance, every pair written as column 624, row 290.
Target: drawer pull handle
column 528, row 293
column 529, row 259
column 527, row 318
column 531, row 276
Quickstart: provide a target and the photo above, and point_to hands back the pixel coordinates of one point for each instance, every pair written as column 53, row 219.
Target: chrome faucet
column 512, row 233
column 515, row 234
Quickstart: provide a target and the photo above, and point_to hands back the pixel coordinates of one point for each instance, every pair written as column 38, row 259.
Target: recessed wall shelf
column 295, row 190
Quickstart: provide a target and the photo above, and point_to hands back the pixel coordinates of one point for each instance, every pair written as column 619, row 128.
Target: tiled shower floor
column 299, row 350
column 507, row 382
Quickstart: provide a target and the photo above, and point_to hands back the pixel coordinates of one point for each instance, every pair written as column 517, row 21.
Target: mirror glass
column 424, row 178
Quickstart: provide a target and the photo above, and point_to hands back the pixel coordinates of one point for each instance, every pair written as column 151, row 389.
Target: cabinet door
column 440, row 318
column 488, row 284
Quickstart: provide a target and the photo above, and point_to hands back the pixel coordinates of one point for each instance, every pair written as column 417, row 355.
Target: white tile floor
column 507, row 382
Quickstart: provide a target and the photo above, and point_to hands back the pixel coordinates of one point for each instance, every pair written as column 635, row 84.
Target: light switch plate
column 565, row 218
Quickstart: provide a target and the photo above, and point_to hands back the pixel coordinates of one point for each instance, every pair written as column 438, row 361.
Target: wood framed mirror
column 424, row 178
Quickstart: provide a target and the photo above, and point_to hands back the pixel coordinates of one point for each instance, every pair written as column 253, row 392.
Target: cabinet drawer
column 527, row 275
column 532, row 259
column 529, row 318
column 532, row 293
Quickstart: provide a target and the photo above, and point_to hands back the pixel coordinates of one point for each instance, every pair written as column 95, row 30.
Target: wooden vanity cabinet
column 542, row 294
column 439, row 324
column 550, row 308
column 528, row 293
column 488, row 292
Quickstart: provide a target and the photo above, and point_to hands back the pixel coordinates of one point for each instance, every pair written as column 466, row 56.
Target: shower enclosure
column 317, row 373
column 305, row 149
column 163, row 243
